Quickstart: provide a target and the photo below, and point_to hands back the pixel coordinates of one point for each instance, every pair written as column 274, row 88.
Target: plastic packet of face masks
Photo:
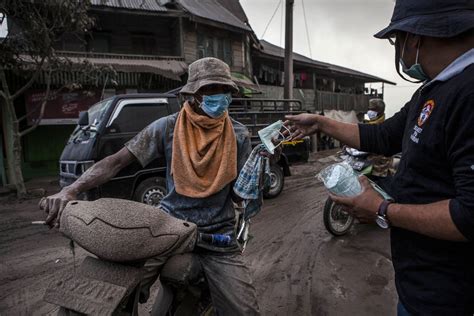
column 273, row 132
column 340, row 179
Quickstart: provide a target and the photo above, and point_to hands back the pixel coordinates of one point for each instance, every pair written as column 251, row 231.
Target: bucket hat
column 434, row 18
column 377, row 104
column 207, row 71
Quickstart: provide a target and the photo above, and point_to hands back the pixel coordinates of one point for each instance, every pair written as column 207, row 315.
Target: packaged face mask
column 271, row 132
column 340, row 179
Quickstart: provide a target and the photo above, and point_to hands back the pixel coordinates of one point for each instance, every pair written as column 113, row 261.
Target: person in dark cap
column 204, row 150
column 376, row 111
column 432, row 217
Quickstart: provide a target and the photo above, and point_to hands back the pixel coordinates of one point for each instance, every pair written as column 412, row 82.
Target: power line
column 280, row 64
column 268, row 24
column 307, row 32
column 281, row 23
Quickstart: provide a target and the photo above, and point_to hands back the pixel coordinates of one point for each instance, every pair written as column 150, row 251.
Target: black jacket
column 435, row 133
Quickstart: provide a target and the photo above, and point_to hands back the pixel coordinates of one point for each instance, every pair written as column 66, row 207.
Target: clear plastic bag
column 340, row 179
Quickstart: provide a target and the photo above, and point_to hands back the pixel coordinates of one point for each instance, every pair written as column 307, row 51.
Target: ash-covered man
column 204, row 150
column 432, row 218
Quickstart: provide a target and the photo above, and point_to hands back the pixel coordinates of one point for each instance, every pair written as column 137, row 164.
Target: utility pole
column 288, row 90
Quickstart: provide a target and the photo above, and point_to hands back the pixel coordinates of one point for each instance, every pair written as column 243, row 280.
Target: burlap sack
column 122, row 230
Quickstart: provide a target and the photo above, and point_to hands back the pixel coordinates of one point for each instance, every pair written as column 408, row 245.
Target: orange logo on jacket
column 426, row 112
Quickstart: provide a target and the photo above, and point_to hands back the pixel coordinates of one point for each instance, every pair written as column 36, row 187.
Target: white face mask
column 271, row 132
column 372, row 115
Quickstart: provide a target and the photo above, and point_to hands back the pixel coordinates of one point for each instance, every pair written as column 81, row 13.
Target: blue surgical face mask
column 372, row 115
column 215, row 105
column 415, row 71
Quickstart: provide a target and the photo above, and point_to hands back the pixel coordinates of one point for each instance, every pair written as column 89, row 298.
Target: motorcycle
column 110, row 284
column 337, row 221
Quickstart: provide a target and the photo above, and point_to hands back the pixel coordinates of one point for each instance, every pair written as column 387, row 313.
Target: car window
column 134, row 117
column 174, row 105
column 98, row 110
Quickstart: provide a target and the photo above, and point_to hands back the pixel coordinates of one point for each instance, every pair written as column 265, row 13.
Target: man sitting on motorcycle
column 204, row 151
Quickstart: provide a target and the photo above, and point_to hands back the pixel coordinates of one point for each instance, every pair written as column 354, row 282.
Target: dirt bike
column 337, row 221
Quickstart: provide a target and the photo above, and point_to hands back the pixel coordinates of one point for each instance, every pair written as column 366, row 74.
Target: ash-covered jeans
column 230, row 284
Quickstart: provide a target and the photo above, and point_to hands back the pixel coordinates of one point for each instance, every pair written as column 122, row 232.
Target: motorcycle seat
column 181, row 269
column 118, row 230
column 97, row 288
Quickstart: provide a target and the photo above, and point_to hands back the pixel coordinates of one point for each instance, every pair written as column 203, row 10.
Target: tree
column 28, row 53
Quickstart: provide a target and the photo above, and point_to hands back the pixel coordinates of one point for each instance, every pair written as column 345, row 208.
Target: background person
column 381, row 165
column 376, row 112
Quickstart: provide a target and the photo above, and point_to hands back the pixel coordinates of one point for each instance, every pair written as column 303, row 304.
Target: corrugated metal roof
column 215, row 11
column 168, row 68
column 144, row 5
column 235, row 8
column 228, row 12
column 171, row 69
column 276, row 51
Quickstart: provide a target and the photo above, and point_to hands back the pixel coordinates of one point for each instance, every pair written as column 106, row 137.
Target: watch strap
column 383, row 208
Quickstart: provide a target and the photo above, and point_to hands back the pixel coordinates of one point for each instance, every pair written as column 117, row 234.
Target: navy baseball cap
column 434, row 18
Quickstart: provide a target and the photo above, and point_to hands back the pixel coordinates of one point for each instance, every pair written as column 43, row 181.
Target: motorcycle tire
column 333, row 213
column 277, row 179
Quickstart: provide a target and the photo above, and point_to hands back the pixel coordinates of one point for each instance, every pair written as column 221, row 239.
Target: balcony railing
column 116, row 56
column 342, row 101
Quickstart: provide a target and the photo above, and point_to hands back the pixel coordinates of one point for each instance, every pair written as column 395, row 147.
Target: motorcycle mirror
column 83, row 118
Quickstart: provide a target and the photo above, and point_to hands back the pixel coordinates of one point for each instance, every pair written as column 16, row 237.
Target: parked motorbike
column 337, row 221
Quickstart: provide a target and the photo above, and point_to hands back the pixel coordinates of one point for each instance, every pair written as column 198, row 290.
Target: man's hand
column 364, row 206
column 275, row 157
column 302, row 125
column 54, row 205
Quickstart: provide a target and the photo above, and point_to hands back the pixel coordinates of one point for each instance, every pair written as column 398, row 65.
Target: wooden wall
column 191, row 30
column 121, row 28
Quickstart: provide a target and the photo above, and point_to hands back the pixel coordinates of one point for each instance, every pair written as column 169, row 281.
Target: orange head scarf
column 204, row 157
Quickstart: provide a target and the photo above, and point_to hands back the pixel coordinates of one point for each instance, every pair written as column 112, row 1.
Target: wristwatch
column 382, row 219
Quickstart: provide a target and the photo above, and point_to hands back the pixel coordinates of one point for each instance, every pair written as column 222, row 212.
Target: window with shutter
column 214, row 47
